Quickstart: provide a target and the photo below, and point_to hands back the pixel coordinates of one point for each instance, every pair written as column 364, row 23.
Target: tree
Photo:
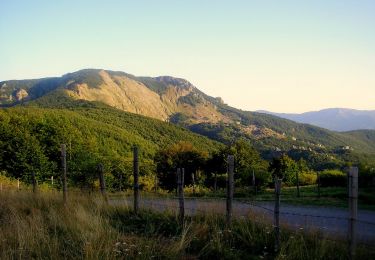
column 247, row 161
column 284, row 168
column 180, row 155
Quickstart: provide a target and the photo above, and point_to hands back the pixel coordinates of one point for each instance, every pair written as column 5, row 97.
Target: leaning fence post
column 63, row 164
column 277, row 213
column 102, row 181
column 135, row 175
column 230, row 186
column 181, row 199
column 353, row 200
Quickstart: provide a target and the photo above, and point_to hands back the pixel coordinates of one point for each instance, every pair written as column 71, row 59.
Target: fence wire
column 328, row 231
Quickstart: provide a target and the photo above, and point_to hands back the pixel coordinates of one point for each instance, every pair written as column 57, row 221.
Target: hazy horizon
column 287, row 57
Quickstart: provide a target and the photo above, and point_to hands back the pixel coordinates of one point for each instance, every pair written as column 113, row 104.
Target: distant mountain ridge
column 335, row 119
column 179, row 102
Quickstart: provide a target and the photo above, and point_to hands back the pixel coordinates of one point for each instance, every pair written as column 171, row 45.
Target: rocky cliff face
column 9, row 95
column 128, row 94
column 21, row 94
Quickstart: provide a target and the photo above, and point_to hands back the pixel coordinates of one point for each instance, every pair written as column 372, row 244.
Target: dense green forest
column 30, row 140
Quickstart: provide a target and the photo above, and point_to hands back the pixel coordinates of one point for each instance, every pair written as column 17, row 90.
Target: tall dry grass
column 40, row 227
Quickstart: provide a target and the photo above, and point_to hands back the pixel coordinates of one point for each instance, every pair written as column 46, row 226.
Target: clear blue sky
column 284, row 56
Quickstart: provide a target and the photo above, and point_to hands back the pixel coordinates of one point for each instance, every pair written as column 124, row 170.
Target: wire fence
column 330, row 225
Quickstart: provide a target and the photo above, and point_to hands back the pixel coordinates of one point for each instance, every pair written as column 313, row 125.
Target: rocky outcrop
column 21, row 94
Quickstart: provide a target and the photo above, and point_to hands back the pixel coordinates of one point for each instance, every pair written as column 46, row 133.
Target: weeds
column 40, row 226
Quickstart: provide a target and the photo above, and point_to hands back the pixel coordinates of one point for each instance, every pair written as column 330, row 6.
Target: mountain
column 179, row 102
column 336, row 119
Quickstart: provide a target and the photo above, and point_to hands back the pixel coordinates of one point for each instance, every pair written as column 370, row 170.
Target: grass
column 39, row 226
column 329, row 196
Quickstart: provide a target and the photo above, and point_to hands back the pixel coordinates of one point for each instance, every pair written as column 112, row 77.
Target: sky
column 281, row 56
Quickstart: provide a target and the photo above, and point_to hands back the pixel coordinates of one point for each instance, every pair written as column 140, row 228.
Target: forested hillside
column 89, row 111
column 178, row 101
column 30, row 140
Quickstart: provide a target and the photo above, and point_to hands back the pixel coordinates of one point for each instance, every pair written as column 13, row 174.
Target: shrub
column 198, row 190
column 307, row 178
column 333, row 178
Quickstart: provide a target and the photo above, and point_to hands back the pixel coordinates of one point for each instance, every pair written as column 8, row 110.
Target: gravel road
column 329, row 221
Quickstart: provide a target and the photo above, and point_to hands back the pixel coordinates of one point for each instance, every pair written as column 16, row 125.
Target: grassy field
column 40, row 226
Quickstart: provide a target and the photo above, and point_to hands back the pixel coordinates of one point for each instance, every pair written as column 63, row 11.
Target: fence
column 331, row 224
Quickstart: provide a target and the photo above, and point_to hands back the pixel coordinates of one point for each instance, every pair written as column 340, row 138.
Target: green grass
column 41, row 227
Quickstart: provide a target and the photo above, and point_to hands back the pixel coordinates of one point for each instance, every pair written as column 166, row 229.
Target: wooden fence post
column 353, row 200
column 193, row 182
column 34, row 181
column 277, row 213
column 18, row 184
column 102, row 181
column 120, row 186
column 215, row 182
column 297, row 178
column 177, row 183
column 52, row 181
column 156, row 183
column 318, row 181
column 135, row 175
column 254, row 184
column 181, row 198
column 63, row 166
column 230, row 187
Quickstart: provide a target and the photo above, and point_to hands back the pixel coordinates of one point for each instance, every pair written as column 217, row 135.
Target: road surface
column 329, row 221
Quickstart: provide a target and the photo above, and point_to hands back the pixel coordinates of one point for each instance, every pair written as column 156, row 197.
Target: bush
column 333, row 178
column 307, row 178
column 198, row 190
column 262, row 179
